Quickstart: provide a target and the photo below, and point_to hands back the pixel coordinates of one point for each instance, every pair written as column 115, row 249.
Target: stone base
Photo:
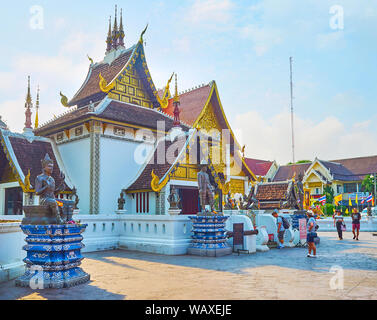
column 209, row 252
column 58, row 280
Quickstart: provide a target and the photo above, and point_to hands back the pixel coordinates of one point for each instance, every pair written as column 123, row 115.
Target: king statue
column 206, row 193
column 45, row 188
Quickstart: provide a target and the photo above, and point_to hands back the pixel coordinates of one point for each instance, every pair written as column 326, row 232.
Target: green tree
column 329, row 193
column 368, row 184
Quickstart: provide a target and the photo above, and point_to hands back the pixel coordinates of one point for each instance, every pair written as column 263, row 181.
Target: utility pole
column 292, row 117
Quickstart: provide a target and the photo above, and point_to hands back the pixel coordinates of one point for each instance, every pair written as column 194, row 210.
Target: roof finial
column 28, row 106
column 115, row 31
column 36, row 124
column 121, row 31
column 142, row 34
column 109, row 39
column 176, row 96
column 176, row 103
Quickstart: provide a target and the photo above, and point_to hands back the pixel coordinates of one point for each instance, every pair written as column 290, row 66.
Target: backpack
column 286, row 224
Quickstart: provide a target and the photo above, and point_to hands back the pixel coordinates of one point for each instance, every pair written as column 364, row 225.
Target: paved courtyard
column 277, row 274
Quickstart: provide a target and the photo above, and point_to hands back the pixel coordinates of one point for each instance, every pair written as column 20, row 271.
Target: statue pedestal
column 174, row 212
column 209, row 236
column 121, row 211
column 53, row 256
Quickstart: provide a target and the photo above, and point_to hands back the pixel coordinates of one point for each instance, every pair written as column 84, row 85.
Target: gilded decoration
column 129, row 89
column 164, row 101
column 155, row 183
column 237, row 186
column 104, row 86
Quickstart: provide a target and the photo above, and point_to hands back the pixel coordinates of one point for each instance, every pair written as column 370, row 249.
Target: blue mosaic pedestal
column 209, row 236
column 53, row 256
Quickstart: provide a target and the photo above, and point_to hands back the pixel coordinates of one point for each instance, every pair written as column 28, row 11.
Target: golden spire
column 28, row 106
column 121, row 31
column 176, row 96
column 28, row 96
column 36, row 124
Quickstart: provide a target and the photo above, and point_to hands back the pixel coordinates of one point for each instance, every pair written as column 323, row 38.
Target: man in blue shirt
column 280, row 229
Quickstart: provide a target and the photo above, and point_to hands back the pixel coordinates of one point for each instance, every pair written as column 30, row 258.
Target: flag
column 322, row 200
column 370, row 198
column 337, row 199
column 356, row 199
column 350, row 202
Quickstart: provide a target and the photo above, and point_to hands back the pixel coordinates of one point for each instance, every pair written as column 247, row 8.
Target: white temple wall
column 76, row 158
column 117, row 168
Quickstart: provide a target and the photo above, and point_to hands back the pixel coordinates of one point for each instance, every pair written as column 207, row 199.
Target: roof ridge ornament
column 142, row 34
column 64, row 100
column 164, row 102
column 104, row 86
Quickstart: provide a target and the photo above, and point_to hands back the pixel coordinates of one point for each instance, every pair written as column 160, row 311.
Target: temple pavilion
column 120, row 134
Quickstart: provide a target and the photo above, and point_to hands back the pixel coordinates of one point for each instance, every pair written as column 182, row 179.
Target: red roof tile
column 116, row 111
column 109, row 72
column 360, row 166
column 192, row 104
column 272, row 191
column 143, row 181
column 285, row 173
column 258, row 167
column 29, row 156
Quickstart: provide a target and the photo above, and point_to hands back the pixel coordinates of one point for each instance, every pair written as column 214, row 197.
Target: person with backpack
column 339, row 223
column 311, row 235
column 282, row 223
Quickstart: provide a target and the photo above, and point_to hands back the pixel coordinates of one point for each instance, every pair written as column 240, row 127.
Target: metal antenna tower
column 292, row 117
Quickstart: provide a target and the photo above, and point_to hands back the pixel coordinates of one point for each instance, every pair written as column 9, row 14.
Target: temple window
column 142, row 202
column 13, row 201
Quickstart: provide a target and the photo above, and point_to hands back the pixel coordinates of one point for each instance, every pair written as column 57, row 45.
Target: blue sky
column 244, row 45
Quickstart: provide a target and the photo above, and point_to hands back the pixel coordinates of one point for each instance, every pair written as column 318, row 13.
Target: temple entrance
column 189, row 201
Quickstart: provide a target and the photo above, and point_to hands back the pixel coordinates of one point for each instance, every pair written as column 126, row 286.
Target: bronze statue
column 291, row 198
column 300, row 191
column 45, row 188
column 206, row 193
column 121, row 201
column 77, row 200
column 173, row 198
column 252, row 201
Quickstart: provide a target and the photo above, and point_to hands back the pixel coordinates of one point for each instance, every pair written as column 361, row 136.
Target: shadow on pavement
column 330, row 252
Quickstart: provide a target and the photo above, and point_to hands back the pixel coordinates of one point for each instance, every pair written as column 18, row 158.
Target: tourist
column 339, row 223
column 311, row 234
column 356, row 217
column 280, row 229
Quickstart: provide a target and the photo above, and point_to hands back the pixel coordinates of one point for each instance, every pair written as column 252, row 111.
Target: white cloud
column 263, row 38
column 328, row 139
column 64, row 72
column 212, row 11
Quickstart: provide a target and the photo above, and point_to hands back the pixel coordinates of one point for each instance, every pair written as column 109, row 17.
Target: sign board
column 302, row 228
column 238, row 234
